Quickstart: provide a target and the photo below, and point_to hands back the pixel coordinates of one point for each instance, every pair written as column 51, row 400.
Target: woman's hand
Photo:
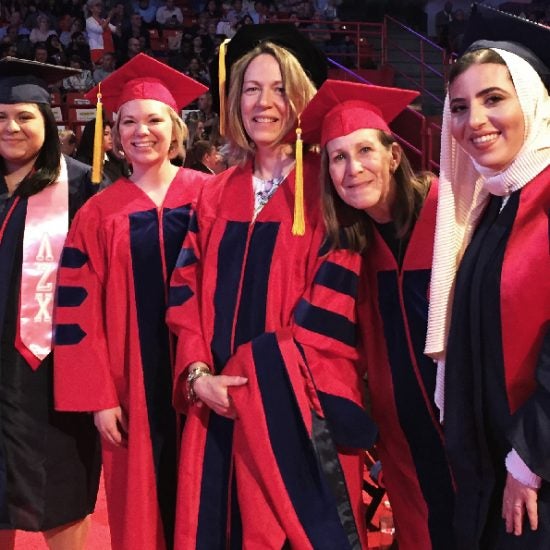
column 112, row 425
column 519, row 498
column 212, row 391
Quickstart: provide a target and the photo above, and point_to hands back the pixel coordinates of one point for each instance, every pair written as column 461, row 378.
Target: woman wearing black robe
column 49, row 461
column 494, row 203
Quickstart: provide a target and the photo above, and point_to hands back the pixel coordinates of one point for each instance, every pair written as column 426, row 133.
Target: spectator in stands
column 210, row 39
column 79, row 25
column 100, row 30
column 118, row 15
column 65, row 25
column 259, row 12
column 213, row 11
column 113, row 167
column 196, row 129
column 204, row 157
column 180, row 60
column 199, row 26
column 246, row 20
column 147, row 9
column 40, row 52
column 443, row 21
column 133, row 47
column 56, row 51
column 224, row 26
column 15, row 21
column 81, row 82
column 40, row 8
column 169, row 15
column 106, row 66
column 198, row 71
column 79, row 46
column 199, row 51
column 136, row 28
column 67, row 138
column 13, row 38
column 236, row 13
column 42, row 30
column 210, row 119
column 7, row 49
column 119, row 19
column 293, row 17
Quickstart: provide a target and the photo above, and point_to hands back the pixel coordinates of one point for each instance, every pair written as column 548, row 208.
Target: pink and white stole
column 46, row 226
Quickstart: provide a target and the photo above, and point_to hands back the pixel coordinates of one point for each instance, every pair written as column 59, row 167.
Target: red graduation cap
column 340, row 108
column 143, row 77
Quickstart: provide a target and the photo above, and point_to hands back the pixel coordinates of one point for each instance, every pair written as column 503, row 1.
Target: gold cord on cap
column 222, row 77
column 98, row 153
column 299, row 224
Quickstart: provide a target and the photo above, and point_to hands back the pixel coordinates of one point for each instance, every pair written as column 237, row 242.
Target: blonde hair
column 177, row 144
column 345, row 223
column 298, row 92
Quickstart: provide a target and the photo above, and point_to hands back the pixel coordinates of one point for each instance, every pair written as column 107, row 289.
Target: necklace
column 263, row 190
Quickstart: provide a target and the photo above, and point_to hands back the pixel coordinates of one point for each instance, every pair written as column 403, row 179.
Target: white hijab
column 464, row 189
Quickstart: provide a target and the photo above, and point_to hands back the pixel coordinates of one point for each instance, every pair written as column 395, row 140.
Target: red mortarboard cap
column 340, row 108
column 146, row 78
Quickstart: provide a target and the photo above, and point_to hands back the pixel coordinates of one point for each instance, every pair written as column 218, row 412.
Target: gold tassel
column 299, row 224
column 222, row 77
column 97, row 162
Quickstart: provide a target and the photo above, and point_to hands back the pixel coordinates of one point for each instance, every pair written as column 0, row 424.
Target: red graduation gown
column 113, row 345
column 249, row 298
column 393, row 312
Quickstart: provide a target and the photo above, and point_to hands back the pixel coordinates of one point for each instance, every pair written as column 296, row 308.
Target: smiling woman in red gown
column 113, row 348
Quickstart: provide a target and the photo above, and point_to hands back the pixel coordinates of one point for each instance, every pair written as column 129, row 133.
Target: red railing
column 419, row 135
column 425, row 45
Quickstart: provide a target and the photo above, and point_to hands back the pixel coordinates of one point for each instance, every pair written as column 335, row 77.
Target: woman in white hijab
column 489, row 325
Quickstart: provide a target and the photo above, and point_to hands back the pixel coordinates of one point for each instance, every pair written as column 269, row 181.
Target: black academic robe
column 497, row 387
column 49, row 461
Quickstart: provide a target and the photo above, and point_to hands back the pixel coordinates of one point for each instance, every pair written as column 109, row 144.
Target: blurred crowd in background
column 98, row 36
